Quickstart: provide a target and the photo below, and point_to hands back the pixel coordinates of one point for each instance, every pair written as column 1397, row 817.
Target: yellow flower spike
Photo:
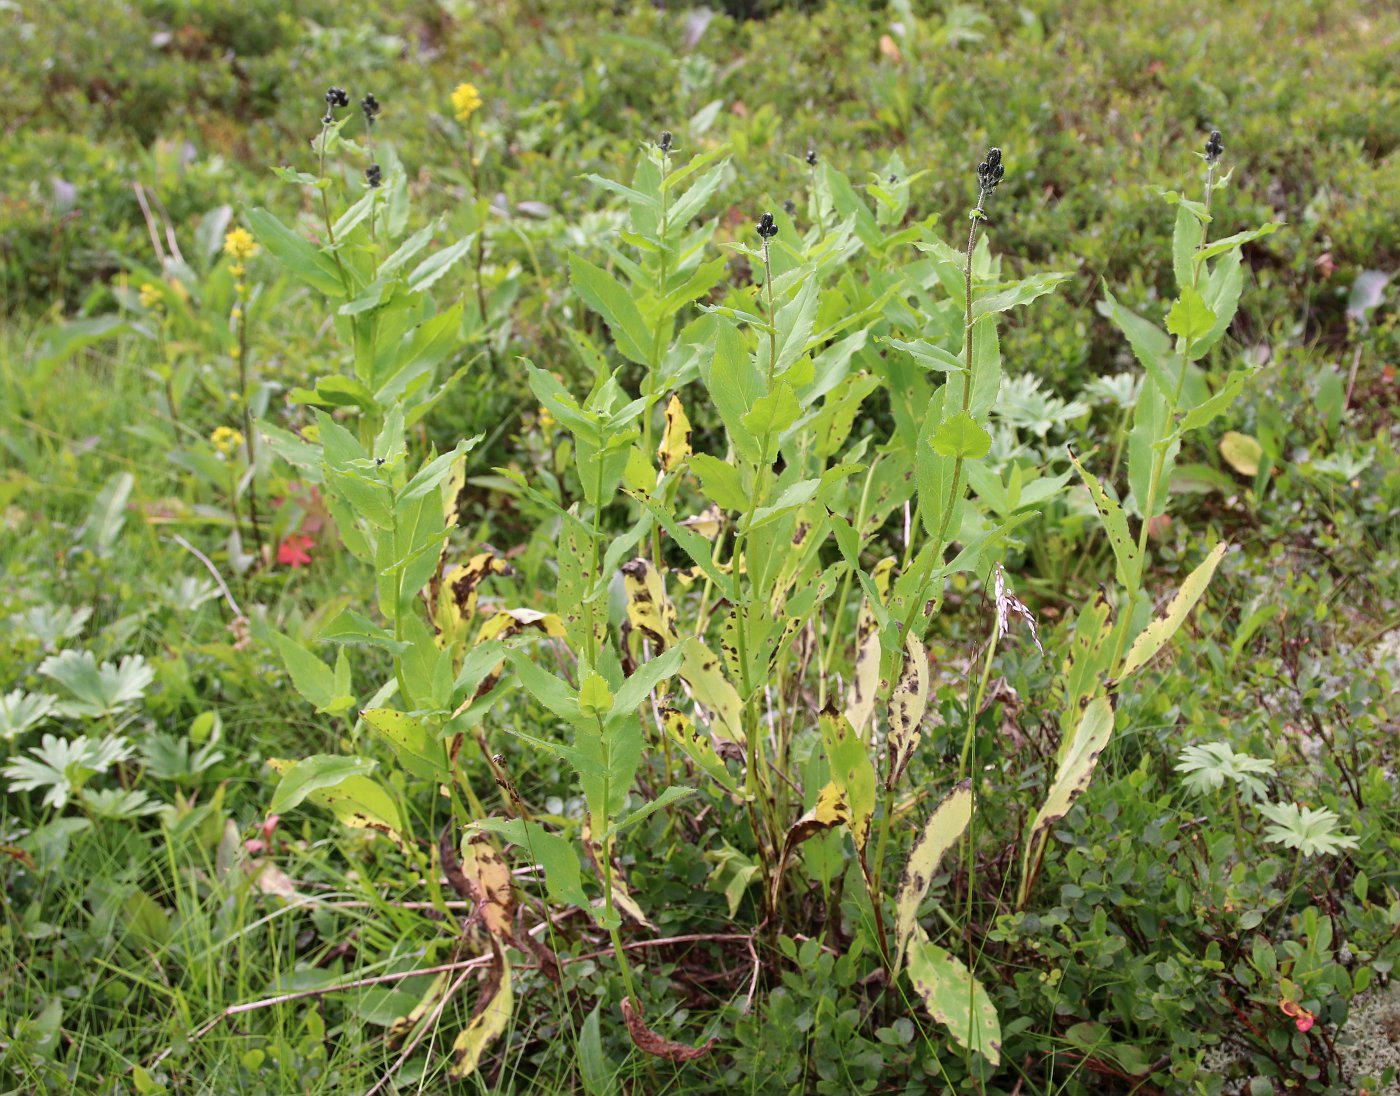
column 237, row 269
column 466, row 101
column 237, row 314
column 235, row 352
column 239, row 244
column 150, row 296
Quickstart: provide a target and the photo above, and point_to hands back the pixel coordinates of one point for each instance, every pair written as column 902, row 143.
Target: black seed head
column 1214, row 147
column 664, row 141
column 370, row 105
column 374, row 175
column 811, row 156
column 337, row 97
column 766, row 228
column 790, row 207
column 990, row 172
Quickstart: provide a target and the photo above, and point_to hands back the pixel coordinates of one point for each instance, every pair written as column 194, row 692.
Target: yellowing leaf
column 357, row 801
column 699, row 747
column 481, row 877
column 829, row 811
column 494, row 1006
column 649, row 611
column 1115, row 524
column 865, row 680
column 1157, row 634
column 941, row 832
column 1241, row 452
column 852, row 771
column 455, row 599
column 702, row 672
column 675, row 439
column 908, row 703
column 955, row 999
column 1076, row 768
column 508, row 622
column 1086, row 665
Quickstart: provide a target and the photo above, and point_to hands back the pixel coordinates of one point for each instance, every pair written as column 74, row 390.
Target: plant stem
column 1160, row 460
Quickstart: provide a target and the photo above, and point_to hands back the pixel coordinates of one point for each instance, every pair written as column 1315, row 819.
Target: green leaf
column 961, row 436
column 955, row 999
column 312, row 774
column 1150, row 343
column 1157, row 634
column 599, row 1075
column 720, row 482
column 1238, row 239
column 1207, row 410
column 417, row 749
column 928, row 355
column 1189, row 317
column 665, row 799
column 606, row 296
column 773, row 413
column 327, row 689
column 734, row 384
column 1016, row 294
column 426, row 273
column 1186, row 237
column 303, row 258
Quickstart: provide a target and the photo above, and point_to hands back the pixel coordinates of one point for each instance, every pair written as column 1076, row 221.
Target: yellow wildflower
column 237, row 269
column 150, row 296
column 466, row 101
column 226, row 439
column 239, row 244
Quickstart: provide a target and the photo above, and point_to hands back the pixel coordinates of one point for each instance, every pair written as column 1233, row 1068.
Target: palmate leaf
column 1210, row 764
column 20, row 711
column 97, row 690
column 62, row 766
column 1311, row 832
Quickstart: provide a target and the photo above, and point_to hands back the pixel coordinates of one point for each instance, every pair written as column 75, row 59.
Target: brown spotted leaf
column 908, row 703
column 649, row 610
column 675, row 439
column 865, row 681
column 955, row 998
column 829, row 811
column 482, row 878
column 941, row 832
column 652, row 1043
column 1076, row 769
column 494, row 1005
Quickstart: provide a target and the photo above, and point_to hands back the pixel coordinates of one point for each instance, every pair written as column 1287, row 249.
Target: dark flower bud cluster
column 811, row 156
column 664, row 141
column 1215, row 148
column 766, row 228
column 370, row 105
column 335, row 97
column 790, row 208
column 990, row 172
column 373, row 175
